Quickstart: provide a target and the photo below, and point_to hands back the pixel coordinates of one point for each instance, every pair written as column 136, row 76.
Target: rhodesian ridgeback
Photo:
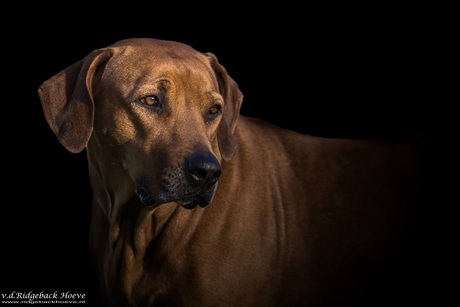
column 197, row 205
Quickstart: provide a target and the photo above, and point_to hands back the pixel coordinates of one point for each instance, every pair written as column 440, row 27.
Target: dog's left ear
column 67, row 101
column 232, row 105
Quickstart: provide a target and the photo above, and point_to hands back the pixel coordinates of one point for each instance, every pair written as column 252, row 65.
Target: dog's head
column 156, row 117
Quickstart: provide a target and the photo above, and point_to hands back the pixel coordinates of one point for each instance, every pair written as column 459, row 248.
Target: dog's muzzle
column 195, row 185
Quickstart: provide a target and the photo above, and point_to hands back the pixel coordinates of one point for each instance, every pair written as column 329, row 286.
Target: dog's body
column 293, row 220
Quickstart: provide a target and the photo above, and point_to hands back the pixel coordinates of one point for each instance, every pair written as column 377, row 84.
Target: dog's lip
column 145, row 197
column 191, row 203
column 188, row 205
column 188, row 202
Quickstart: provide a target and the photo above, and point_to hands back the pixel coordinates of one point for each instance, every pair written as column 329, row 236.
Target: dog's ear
column 232, row 105
column 67, row 100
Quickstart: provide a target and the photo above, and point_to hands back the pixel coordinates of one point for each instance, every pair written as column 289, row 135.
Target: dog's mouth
column 192, row 184
column 189, row 201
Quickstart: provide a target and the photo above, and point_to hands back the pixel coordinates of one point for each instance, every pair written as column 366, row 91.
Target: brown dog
column 195, row 205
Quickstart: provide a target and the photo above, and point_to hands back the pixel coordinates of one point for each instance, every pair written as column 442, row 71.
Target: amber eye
column 214, row 112
column 149, row 100
column 215, row 109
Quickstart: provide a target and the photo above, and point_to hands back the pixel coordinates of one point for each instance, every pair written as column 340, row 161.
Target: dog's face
column 157, row 118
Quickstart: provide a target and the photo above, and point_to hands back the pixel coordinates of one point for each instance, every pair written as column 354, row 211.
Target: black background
column 326, row 73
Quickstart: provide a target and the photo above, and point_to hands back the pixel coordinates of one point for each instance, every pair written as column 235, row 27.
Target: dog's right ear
column 233, row 99
column 67, row 100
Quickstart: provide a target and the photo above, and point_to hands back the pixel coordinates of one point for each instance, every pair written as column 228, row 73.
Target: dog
column 196, row 204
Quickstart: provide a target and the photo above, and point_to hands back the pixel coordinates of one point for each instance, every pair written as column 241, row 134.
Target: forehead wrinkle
column 195, row 80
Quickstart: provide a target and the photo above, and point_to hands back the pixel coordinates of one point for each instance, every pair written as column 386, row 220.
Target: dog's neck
column 109, row 180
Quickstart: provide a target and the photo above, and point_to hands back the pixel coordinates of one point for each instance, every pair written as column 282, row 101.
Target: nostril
column 205, row 175
column 198, row 173
column 203, row 168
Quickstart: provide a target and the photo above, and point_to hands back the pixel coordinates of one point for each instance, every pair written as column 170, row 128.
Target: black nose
column 202, row 169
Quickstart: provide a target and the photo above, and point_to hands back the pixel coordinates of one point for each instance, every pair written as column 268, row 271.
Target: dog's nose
column 202, row 169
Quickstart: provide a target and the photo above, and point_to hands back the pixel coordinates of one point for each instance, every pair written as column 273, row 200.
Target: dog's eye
column 149, row 100
column 214, row 112
column 215, row 109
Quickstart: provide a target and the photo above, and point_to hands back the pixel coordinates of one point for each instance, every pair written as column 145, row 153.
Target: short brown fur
column 295, row 219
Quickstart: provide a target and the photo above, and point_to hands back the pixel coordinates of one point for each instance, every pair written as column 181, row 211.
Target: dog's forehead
column 150, row 59
column 155, row 53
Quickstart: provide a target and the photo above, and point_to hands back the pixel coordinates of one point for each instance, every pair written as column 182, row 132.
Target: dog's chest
column 188, row 261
